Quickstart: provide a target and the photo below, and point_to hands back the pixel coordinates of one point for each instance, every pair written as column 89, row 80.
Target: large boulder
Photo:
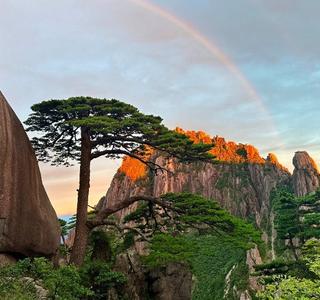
column 306, row 176
column 28, row 223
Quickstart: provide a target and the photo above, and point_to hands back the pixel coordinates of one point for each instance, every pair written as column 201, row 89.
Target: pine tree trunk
column 82, row 231
column 293, row 248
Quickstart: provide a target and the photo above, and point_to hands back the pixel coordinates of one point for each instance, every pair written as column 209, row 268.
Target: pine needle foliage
column 116, row 128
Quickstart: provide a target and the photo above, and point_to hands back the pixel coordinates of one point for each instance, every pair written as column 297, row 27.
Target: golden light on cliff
column 224, row 151
column 133, row 168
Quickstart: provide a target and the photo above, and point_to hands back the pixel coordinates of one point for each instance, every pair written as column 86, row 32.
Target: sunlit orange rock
column 241, row 180
column 235, row 153
column 224, row 151
column 134, row 168
column 196, row 136
column 272, row 159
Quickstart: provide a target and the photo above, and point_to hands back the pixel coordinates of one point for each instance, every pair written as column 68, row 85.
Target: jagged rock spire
column 306, row 176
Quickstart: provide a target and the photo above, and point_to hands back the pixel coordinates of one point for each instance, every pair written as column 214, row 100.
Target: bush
column 99, row 278
column 13, row 289
column 61, row 283
column 92, row 281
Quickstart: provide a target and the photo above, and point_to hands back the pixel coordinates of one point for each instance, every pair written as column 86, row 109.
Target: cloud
column 115, row 49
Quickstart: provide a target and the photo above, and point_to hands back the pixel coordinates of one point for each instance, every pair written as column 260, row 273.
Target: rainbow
column 201, row 39
column 212, row 48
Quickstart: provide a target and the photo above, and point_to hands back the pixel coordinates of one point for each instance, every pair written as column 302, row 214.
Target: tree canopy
column 115, row 129
column 184, row 212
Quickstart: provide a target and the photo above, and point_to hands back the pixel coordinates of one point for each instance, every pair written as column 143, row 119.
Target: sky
column 247, row 70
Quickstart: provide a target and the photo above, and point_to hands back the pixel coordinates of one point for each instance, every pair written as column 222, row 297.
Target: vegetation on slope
column 92, row 281
column 297, row 219
column 188, row 229
column 210, row 258
column 296, row 272
column 201, row 234
column 286, row 287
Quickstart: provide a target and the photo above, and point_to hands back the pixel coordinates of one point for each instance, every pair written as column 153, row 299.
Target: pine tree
column 81, row 129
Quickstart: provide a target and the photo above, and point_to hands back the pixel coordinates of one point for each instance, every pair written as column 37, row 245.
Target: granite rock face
column 253, row 259
column 173, row 282
column 241, row 182
column 28, row 223
column 306, row 176
column 136, row 286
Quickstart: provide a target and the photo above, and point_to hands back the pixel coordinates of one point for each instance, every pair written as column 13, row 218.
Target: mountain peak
column 302, row 160
column 273, row 159
column 224, row 151
column 306, row 177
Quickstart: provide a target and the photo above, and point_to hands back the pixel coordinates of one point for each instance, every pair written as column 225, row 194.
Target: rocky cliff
column 28, row 222
column 241, row 181
column 306, row 176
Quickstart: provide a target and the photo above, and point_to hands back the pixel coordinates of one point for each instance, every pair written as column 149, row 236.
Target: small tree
column 63, row 230
column 83, row 128
column 297, row 217
column 287, row 218
column 309, row 211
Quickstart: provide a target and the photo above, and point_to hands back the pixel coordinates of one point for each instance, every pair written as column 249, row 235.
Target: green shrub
column 100, row 242
column 13, row 289
column 92, row 281
column 61, row 283
column 100, row 279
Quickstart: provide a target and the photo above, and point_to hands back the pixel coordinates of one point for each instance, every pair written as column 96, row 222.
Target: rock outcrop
column 7, row 260
column 253, row 259
column 241, row 182
column 306, row 176
column 28, row 222
column 136, row 286
column 173, row 282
